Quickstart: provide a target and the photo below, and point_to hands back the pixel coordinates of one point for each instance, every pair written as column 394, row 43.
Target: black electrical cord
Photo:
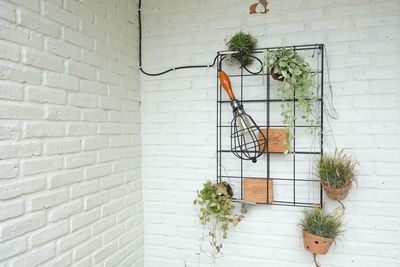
column 171, row 69
column 180, row 67
column 252, row 72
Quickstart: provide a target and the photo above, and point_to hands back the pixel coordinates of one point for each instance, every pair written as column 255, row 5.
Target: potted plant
column 298, row 84
column 216, row 213
column 244, row 44
column 320, row 230
column 337, row 174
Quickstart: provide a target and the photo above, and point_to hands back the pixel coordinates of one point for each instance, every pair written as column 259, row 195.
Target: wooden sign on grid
column 276, row 139
column 258, row 190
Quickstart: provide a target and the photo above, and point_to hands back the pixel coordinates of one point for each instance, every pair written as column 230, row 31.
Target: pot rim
column 347, row 185
column 228, row 187
column 313, row 235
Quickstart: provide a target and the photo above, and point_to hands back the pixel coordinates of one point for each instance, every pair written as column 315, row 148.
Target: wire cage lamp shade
column 247, row 140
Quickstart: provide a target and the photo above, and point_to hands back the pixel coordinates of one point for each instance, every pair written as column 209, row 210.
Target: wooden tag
column 276, row 140
column 258, row 190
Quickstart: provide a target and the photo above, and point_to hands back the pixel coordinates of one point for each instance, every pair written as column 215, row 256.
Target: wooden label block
column 276, row 140
column 258, row 190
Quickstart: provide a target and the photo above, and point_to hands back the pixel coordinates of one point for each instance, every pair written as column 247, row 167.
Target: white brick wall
column 70, row 190
column 178, row 127
column 70, row 149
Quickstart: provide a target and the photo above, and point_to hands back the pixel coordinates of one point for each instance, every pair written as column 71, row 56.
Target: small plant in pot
column 244, row 44
column 337, row 174
column 216, row 213
column 297, row 82
column 320, row 230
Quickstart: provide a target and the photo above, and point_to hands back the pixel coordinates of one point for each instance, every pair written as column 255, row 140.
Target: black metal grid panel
column 296, row 198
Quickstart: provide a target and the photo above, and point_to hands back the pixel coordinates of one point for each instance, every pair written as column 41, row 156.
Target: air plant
column 244, row 44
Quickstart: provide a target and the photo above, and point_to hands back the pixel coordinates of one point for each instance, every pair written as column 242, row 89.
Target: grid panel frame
column 294, row 181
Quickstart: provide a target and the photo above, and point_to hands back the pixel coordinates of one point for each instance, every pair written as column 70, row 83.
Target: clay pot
column 316, row 244
column 227, row 186
column 276, row 76
column 336, row 193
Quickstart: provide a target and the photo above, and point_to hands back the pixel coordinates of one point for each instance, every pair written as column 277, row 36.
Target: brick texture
column 63, row 174
column 80, row 127
column 178, row 127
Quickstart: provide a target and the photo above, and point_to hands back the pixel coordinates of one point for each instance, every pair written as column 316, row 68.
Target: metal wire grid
column 318, row 50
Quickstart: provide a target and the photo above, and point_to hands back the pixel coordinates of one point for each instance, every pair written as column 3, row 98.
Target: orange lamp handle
column 226, row 83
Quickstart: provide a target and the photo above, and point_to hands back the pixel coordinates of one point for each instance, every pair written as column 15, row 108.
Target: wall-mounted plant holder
column 316, row 244
column 276, row 140
column 258, row 190
column 289, row 175
column 337, row 193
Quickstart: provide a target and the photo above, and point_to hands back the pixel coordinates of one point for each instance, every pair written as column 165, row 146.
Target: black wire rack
column 293, row 184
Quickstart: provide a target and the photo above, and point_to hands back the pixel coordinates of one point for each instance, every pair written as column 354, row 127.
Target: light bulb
column 244, row 124
column 245, row 134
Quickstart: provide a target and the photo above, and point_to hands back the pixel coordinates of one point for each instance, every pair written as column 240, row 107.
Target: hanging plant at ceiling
column 216, row 213
column 244, row 44
column 320, row 230
column 297, row 82
column 337, row 174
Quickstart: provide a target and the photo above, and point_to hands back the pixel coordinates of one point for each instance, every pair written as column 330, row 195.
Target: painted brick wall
column 178, row 127
column 70, row 149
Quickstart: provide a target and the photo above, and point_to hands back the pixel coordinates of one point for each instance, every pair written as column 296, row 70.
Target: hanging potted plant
column 337, row 174
column 320, row 230
column 297, row 86
column 244, row 44
column 216, row 213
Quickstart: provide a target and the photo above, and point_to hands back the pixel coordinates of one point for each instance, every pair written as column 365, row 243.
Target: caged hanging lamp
column 247, row 140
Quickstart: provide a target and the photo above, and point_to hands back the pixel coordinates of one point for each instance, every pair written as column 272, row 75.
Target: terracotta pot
column 316, row 244
column 227, row 186
column 276, row 76
column 336, row 193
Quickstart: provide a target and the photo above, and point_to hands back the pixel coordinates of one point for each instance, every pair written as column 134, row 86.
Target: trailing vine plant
column 216, row 213
column 298, row 89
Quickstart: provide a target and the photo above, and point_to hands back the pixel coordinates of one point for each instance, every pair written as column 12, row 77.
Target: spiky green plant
column 298, row 82
column 319, row 223
column 338, row 170
column 244, row 44
column 216, row 212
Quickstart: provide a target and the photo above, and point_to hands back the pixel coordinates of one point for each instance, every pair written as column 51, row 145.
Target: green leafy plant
column 216, row 212
column 319, row 223
column 338, row 170
column 298, row 83
column 244, row 44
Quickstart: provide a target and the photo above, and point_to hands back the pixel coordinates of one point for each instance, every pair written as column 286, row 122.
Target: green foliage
column 337, row 171
column 216, row 212
column 298, row 83
column 244, row 44
column 319, row 223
